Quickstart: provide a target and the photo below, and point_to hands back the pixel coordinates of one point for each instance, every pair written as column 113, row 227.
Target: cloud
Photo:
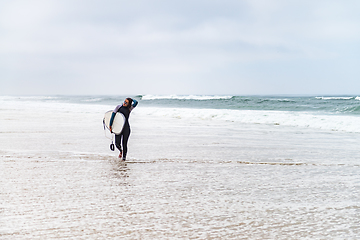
column 169, row 46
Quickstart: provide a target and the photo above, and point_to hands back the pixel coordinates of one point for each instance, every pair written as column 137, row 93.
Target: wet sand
column 182, row 180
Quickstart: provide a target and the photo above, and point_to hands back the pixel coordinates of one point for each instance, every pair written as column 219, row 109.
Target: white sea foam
column 25, row 98
column 334, row 98
column 184, row 97
column 92, row 100
column 284, row 118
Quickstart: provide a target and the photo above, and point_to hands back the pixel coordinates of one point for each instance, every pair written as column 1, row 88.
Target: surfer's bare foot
column 120, row 155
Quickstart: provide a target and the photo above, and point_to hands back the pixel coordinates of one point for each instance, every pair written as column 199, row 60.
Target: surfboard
column 118, row 122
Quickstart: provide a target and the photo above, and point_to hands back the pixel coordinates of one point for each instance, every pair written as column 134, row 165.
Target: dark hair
column 130, row 102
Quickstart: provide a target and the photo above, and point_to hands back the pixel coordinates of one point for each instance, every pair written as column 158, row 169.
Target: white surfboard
column 118, row 122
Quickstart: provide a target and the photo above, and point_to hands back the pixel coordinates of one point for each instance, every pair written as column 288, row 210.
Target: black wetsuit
column 125, row 133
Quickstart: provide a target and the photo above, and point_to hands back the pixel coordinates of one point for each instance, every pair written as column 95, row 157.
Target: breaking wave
column 184, row 97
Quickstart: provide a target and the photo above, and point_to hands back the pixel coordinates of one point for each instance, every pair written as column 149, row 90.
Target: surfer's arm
column 113, row 115
column 134, row 104
column 112, row 119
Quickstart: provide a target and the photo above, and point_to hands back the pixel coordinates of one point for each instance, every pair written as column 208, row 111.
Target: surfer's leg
column 125, row 139
column 118, row 142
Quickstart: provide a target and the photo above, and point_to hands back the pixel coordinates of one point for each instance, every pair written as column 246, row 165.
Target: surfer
column 128, row 105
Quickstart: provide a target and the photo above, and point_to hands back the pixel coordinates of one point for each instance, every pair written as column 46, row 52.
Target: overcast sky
column 179, row 47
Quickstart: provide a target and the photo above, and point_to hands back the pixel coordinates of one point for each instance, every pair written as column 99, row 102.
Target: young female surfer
column 128, row 105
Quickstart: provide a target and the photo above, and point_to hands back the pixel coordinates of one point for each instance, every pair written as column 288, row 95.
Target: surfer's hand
column 110, row 129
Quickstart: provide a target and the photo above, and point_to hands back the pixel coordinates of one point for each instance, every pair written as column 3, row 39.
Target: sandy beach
column 183, row 179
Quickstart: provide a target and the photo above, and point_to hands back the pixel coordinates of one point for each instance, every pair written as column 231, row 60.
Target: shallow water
column 183, row 179
column 89, row 198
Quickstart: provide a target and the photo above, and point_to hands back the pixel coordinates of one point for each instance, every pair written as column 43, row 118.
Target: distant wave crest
column 184, row 97
column 337, row 98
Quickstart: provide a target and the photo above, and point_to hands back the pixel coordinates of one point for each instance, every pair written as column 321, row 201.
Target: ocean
column 198, row 167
